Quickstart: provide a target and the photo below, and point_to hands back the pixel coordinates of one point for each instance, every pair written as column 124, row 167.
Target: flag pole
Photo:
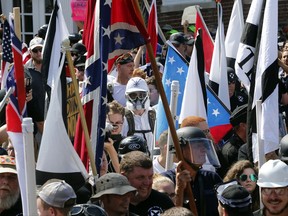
column 66, row 46
column 17, row 26
column 160, row 88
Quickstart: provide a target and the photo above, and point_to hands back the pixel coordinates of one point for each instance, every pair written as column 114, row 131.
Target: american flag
column 25, row 53
column 7, row 57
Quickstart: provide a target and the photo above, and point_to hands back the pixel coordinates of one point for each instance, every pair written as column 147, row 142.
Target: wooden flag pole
column 66, row 45
column 168, row 114
column 17, row 25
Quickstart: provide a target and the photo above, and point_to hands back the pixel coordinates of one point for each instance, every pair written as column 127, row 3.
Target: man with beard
column 273, row 181
column 10, row 201
column 35, row 107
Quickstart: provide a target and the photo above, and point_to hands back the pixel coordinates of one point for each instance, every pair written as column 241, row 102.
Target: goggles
column 252, row 177
column 134, row 95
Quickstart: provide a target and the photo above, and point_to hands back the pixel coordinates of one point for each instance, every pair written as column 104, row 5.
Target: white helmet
column 272, row 174
column 137, row 94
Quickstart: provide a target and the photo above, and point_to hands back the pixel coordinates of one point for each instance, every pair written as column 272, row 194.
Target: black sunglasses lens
column 76, row 210
column 243, row 177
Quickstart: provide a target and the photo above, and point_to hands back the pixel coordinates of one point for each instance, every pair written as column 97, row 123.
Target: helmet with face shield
column 196, row 148
column 137, row 94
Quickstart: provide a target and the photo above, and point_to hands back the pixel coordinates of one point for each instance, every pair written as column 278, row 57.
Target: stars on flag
column 108, row 2
column 107, row 31
column 215, row 112
column 168, row 82
column 118, row 39
column 171, row 60
column 180, row 70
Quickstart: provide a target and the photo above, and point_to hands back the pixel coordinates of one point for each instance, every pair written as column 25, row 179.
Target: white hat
column 36, row 42
column 137, row 84
column 273, row 174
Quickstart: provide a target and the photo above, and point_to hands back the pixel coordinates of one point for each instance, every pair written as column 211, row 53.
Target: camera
column 108, row 128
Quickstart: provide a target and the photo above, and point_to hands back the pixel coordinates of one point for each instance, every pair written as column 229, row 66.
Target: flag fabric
column 194, row 101
column 126, row 30
column 246, row 50
column 208, row 46
column 66, row 164
column 218, row 116
column 109, row 38
column 218, row 71
column 200, row 100
column 25, row 53
column 266, row 81
column 16, row 109
column 176, row 68
column 7, row 57
column 232, row 40
column 152, row 28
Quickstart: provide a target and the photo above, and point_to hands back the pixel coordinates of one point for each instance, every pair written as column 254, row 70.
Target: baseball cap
column 136, row 84
column 112, row 183
column 236, row 199
column 124, row 59
column 36, row 42
column 178, row 38
column 79, row 48
column 57, row 193
column 7, row 164
column 239, row 115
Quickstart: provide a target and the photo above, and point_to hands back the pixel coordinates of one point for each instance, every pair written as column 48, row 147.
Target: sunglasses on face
column 36, row 50
column 139, row 95
column 252, row 177
column 277, row 191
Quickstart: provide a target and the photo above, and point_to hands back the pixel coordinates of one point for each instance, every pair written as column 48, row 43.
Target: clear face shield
column 200, row 151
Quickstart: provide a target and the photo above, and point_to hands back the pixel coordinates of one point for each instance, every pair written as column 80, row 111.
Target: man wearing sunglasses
column 273, row 181
column 35, row 107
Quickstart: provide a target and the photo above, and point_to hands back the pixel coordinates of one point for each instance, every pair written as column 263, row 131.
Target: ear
column 52, row 211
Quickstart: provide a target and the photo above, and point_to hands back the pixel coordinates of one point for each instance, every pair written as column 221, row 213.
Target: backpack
column 131, row 123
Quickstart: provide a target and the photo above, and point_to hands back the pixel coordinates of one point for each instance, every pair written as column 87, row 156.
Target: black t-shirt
column 205, row 198
column 15, row 210
column 154, row 205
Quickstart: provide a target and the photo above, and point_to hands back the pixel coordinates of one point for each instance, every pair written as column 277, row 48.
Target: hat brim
column 136, row 90
column 272, row 185
column 115, row 190
column 34, row 46
column 8, row 170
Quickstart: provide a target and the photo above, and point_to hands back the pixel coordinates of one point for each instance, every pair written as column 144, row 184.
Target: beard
column 8, row 201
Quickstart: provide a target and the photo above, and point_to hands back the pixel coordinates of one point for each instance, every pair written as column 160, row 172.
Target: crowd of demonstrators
column 131, row 181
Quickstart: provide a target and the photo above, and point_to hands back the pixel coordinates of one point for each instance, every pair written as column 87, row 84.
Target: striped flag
column 208, row 46
column 25, row 53
column 218, row 71
column 7, row 57
column 152, row 28
column 232, row 40
column 55, row 141
column 16, row 109
column 266, row 81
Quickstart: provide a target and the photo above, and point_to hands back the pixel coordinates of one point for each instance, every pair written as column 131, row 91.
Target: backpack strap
column 152, row 118
column 130, row 121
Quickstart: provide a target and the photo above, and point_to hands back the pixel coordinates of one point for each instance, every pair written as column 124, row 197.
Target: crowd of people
column 134, row 178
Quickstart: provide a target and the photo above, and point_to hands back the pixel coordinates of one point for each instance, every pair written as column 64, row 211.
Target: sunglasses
column 278, row 191
column 86, row 209
column 140, row 95
column 36, row 50
column 252, row 177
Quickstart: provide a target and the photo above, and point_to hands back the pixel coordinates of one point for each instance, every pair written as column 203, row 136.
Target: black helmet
column 178, row 38
column 42, row 31
column 87, row 210
column 196, row 147
column 133, row 143
column 74, row 38
column 186, row 133
column 79, row 48
column 283, row 150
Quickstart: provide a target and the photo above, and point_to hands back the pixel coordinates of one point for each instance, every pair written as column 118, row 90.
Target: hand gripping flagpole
column 173, row 108
column 29, row 166
column 66, row 46
column 193, row 171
